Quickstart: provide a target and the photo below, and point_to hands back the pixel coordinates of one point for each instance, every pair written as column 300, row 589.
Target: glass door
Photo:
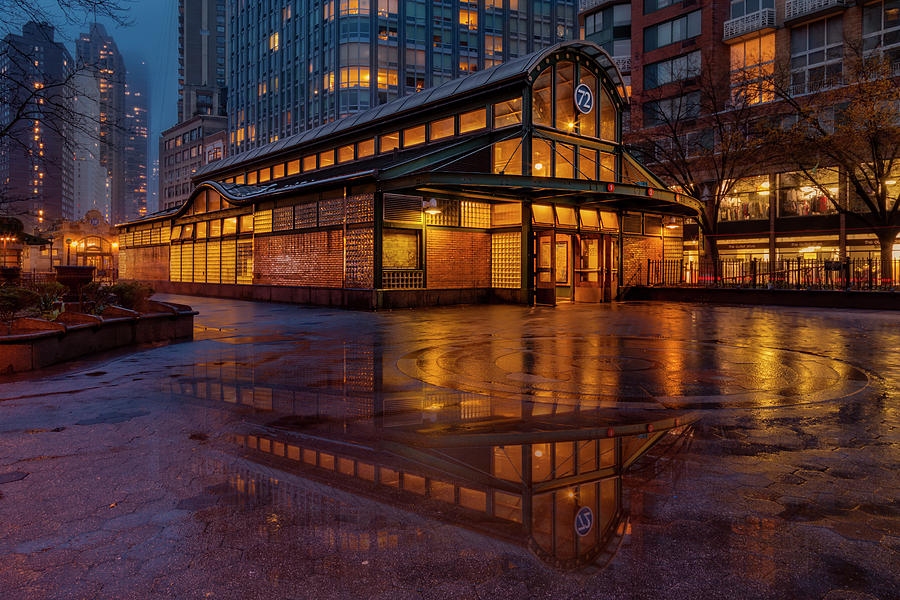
column 545, row 268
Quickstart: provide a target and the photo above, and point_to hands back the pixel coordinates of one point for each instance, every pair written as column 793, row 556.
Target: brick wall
column 150, row 263
column 636, row 251
column 458, row 259
column 314, row 258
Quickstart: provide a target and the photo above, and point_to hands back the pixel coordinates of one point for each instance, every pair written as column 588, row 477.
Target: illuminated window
column 540, row 158
column 508, row 113
column 507, row 157
column 265, row 175
column 202, row 229
column 587, row 123
column 326, row 158
column 278, row 171
column 565, row 101
column 345, row 153
column 469, row 19
column 293, row 167
column 229, row 226
column 587, row 163
column 607, row 117
column 389, row 142
column 442, row 128
column 473, row 120
column 366, row 148
column 387, row 78
column 752, row 65
column 273, row 42
column 252, row 177
column 541, row 98
column 246, row 223
column 564, row 165
column 309, row 163
column 215, row 228
column 413, row 136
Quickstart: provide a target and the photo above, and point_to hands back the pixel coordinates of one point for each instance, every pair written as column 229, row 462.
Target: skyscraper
column 136, row 149
column 97, row 51
column 91, row 179
column 295, row 65
column 201, row 58
column 35, row 95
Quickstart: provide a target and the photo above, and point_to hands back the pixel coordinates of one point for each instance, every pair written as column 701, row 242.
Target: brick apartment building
column 663, row 46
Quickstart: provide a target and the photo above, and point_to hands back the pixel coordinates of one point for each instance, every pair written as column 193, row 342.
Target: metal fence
column 793, row 273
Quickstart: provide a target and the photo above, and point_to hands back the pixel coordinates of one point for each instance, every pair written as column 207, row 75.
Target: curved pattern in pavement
column 598, row 369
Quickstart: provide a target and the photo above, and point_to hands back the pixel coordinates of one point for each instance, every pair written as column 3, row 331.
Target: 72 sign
column 584, row 99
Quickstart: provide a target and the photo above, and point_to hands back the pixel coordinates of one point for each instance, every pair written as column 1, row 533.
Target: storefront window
column 565, row 97
column 748, row 200
column 540, row 158
column 541, row 98
column 798, row 196
column 507, row 157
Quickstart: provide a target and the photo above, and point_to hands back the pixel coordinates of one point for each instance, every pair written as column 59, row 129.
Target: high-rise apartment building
column 91, row 179
column 671, row 49
column 36, row 90
column 98, row 52
column 298, row 64
column 183, row 149
column 136, row 143
column 202, row 40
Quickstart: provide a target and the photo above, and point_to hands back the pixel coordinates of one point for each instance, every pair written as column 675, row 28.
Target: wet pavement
column 293, row 452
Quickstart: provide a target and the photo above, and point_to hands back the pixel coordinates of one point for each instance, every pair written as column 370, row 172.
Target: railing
column 794, row 9
column 623, row 63
column 586, row 5
column 402, row 279
column 797, row 273
column 761, row 19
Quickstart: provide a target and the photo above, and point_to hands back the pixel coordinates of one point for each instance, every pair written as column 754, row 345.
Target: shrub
column 95, row 297
column 48, row 294
column 131, row 294
column 15, row 301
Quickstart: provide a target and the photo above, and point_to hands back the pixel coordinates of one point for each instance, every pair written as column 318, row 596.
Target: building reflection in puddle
column 544, row 475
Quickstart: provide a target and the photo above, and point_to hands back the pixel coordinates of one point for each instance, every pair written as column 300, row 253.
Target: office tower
column 35, row 159
column 295, row 65
column 97, row 52
column 136, row 148
column 91, row 179
column 201, row 58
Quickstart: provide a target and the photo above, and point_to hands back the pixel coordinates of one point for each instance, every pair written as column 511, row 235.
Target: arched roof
column 517, row 68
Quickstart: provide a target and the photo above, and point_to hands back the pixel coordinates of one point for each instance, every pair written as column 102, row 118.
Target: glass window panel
column 389, row 142
column 607, row 117
column 587, row 163
column 564, row 165
column 246, row 223
column 540, row 157
column 442, row 128
column 565, row 102
column 239, row 180
column 541, row 467
column 565, row 215
column 293, row 167
column 278, row 171
column 345, row 153
column 265, row 175
column 215, row 228
column 541, row 97
column 473, row 120
column 213, row 201
column 326, row 158
column 508, row 113
column 229, row 226
column 607, row 167
column 413, row 136
column 587, row 123
column 366, row 148
column 542, row 214
column 507, row 157
column 508, row 463
column 202, row 229
column 589, row 220
column 309, row 163
column 252, row 177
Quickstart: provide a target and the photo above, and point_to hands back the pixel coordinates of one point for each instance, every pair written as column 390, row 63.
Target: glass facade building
column 297, row 64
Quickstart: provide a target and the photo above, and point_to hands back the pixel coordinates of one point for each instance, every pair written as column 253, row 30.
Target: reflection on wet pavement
column 597, row 451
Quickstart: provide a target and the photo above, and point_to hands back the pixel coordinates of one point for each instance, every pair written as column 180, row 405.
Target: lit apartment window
column 752, row 63
column 273, row 42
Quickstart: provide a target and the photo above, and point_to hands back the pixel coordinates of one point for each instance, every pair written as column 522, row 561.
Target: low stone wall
column 76, row 336
column 808, row 298
column 358, row 299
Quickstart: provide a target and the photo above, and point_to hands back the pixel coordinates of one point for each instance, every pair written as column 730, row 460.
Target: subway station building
column 507, row 185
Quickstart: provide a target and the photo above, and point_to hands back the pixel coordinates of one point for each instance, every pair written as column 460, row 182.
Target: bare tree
column 699, row 135
column 26, row 101
column 847, row 128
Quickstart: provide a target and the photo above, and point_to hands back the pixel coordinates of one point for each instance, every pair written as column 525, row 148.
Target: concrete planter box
column 34, row 344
